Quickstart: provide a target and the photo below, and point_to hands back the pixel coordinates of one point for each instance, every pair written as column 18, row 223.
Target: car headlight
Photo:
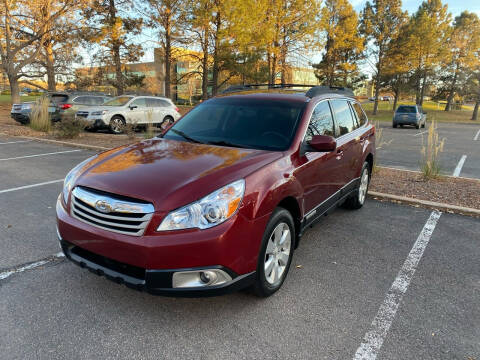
column 71, row 177
column 103, row 112
column 207, row 212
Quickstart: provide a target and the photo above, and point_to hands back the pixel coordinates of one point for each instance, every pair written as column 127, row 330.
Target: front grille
column 82, row 114
column 109, row 212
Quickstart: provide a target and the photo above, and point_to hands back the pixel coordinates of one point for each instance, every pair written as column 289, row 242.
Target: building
column 185, row 77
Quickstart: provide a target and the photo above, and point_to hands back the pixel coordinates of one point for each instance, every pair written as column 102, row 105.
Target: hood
column 170, row 173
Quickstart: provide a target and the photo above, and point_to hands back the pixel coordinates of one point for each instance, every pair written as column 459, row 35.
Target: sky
column 454, row 6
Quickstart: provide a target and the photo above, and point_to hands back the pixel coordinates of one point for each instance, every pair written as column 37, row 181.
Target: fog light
column 210, row 277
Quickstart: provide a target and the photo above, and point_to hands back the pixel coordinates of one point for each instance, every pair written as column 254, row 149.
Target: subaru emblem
column 103, row 206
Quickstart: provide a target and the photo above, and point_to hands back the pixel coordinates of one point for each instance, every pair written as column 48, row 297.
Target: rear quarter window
column 361, row 116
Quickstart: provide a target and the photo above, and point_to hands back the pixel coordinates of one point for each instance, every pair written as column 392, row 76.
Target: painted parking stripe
column 458, row 169
column 476, row 136
column 30, row 186
column 8, row 273
column 15, row 142
column 420, row 133
column 373, row 339
column 36, row 155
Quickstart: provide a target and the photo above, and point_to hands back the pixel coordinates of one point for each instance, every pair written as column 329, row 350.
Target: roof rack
column 320, row 90
column 315, row 90
column 235, row 88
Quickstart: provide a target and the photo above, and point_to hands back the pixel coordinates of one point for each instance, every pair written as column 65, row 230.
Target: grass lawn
column 433, row 109
column 7, row 99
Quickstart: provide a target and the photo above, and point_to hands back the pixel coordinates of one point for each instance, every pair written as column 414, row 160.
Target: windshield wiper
column 226, row 143
column 185, row 136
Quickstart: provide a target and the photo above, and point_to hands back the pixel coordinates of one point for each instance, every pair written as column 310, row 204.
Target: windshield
column 244, row 123
column 406, row 109
column 118, row 101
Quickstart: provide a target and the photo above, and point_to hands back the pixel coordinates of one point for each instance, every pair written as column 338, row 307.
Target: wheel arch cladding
column 369, row 160
column 291, row 205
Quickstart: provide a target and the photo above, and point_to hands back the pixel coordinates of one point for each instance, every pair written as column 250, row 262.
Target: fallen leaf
column 299, row 266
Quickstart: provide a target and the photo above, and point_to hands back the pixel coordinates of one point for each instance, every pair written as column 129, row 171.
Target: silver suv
column 128, row 109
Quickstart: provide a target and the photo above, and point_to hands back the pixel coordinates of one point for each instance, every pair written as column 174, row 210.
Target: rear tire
column 417, row 126
column 357, row 200
column 275, row 254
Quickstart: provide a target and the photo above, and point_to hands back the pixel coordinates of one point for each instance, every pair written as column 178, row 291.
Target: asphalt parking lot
column 402, row 148
column 387, row 282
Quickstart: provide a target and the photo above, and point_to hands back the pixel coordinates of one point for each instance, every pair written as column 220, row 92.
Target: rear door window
column 321, row 122
column 343, row 116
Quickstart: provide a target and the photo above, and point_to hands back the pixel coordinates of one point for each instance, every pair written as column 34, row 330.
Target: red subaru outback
column 221, row 199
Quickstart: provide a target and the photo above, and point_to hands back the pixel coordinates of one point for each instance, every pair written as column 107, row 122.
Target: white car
column 129, row 109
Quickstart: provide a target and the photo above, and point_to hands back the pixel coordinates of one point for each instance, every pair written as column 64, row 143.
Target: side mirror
column 133, row 107
column 322, row 143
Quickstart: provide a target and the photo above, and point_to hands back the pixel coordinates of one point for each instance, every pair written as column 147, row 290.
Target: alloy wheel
column 362, row 191
column 277, row 253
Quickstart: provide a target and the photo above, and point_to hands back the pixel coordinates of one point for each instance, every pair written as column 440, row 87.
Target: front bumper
column 148, row 262
column 156, row 282
column 21, row 118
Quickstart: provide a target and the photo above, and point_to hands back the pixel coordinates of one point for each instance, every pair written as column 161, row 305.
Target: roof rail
column 320, row 90
column 235, row 88
column 315, row 90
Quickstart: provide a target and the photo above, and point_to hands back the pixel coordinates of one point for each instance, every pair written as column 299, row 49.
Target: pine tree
column 381, row 22
column 428, row 32
column 344, row 45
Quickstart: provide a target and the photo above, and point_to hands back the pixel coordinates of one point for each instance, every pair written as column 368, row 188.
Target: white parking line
column 6, row 274
column 476, row 136
column 420, row 133
column 458, row 169
column 15, row 142
column 30, row 186
column 45, row 154
column 373, row 340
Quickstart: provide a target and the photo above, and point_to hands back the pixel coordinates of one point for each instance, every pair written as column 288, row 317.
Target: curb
column 425, row 203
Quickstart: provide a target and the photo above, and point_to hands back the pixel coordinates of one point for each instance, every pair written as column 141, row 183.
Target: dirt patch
column 448, row 190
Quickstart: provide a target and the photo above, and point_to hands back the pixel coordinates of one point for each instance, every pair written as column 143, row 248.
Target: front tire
column 276, row 253
column 357, row 200
column 167, row 121
column 394, row 125
column 117, row 124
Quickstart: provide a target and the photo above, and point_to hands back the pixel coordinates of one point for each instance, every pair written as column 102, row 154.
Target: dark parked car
column 222, row 198
column 61, row 104
column 409, row 115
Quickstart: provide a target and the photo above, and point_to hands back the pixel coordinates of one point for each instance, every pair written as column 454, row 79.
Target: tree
column 167, row 18
column 344, row 46
column 428, row 31
column 381, row 22
column 24, row 27
column 463, row 45
column 113, row 33
column 292, row 25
